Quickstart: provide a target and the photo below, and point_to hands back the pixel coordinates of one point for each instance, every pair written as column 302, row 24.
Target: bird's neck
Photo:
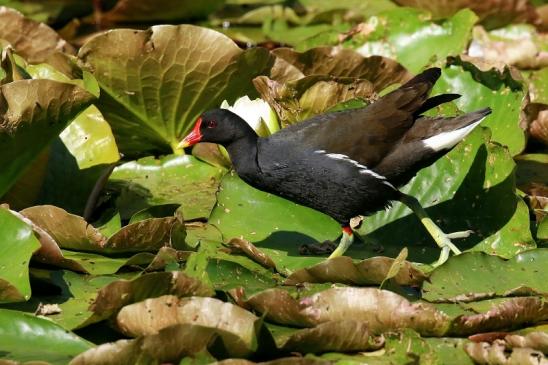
column 243, row 154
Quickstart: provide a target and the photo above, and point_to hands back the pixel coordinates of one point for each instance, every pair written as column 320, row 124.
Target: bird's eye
column 211, row 124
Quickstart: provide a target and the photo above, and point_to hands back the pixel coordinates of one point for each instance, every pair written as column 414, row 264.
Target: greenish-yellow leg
column 346, row 240
column 437, row 234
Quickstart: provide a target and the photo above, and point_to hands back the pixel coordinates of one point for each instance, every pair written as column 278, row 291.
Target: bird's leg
column 437, row 234
column 346, row 240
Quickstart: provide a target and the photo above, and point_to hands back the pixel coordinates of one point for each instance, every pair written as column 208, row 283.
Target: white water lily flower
column 257, row 113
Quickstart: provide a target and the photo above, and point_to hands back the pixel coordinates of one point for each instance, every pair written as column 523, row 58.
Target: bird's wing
column 365, row 135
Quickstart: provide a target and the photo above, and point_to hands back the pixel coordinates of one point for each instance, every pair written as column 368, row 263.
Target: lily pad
column 382, row 310
column 235, row 325
column 380, row 71
column 343, row 270
column 492, row 13
column 517, row 44
column 486, row 276
column 17, row 246
column 301, row 99
column 73, row 232
column 169, row 345
column 172, row 179
column 33, row 112
column 412, row 38
column 340, row 336
column 26, row 337
column 34, row 41
column 475, row 177
column 510, row 314
column 152, row 91
column 491, row 91
column 275, row 225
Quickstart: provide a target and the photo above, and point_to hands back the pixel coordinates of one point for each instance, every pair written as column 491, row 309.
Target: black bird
column 351, row 162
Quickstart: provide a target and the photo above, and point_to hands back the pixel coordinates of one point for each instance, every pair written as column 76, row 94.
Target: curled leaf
column 120, row 293
column 369, row 271
column 251, row 251
column 235, row 325
column 339, row 336
column 34, row 41
column 510, row 314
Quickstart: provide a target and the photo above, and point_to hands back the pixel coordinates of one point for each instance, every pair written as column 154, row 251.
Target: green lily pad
column 476, row 178
column 154, row 88
column 172, row 179
column 486, row 276
column 275, row 225
column 17, row 244
column 34, row 112
column 89, row 139
column 412, row 38
column 504, row 100
column 26, row 337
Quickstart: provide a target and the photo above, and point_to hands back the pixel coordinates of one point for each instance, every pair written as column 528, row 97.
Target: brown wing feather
column 365, row 135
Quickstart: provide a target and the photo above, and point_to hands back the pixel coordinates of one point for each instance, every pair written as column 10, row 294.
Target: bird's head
column 217, row 126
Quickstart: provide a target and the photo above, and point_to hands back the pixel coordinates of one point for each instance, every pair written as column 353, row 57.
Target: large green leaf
column 171, row 179
column 472, row 187
column 275, row 225
column 490, row 276
column 33, row 113
column 26, row 337
column 504, row 100
column 156, row 82
column 412, row 38
column 17, row 244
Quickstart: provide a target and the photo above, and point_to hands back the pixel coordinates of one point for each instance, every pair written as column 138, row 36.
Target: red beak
column 193, row 137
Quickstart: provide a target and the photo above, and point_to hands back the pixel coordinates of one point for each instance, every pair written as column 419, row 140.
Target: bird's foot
column 443, row 240
column 326, row 247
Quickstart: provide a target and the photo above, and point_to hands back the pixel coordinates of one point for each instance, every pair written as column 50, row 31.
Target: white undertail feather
column 362, row 169
column 447, row 140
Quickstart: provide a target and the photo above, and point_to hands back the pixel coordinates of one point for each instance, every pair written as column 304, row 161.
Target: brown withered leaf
column 120, row 293
column 366, row 272
column 338, row 336
column 300, row 99
column 536, row 340
column 493, row 13
column 237, row 245
column 235, row 325
column 73, row 232
column 497, row 353
column 336, row 61
column 510, row 314
column 381, row 309
column 34, row 41
column 169, row 345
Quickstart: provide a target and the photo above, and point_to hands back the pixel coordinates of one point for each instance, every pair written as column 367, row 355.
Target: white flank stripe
column 362, row 169
column 449, row 139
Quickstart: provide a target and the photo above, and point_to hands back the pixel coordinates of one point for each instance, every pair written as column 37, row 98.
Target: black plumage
column 344, row 163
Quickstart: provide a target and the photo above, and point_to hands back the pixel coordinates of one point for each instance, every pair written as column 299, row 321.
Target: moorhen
column 347, row 163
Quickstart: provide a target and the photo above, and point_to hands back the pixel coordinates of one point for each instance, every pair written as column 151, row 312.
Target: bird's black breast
column 336, row 186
